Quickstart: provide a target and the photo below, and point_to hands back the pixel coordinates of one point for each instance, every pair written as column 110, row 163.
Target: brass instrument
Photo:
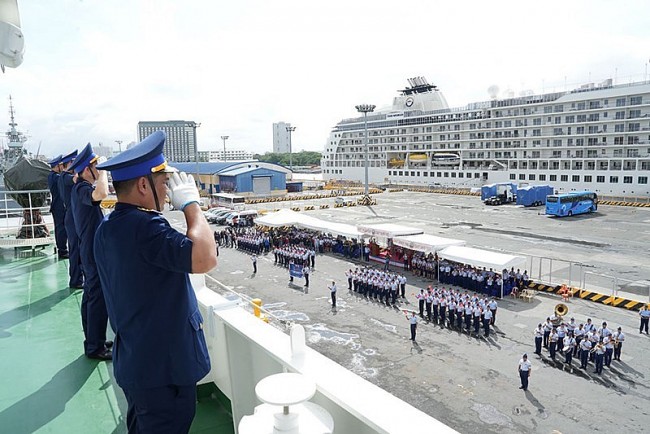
column 561, row 309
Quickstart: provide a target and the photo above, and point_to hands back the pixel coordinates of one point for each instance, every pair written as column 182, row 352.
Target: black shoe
column 64, row 256
column 521, row 387
column 108, row 344
column 104, row 354
column 77, row 286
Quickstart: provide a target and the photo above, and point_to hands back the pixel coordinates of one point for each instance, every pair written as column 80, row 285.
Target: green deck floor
column 47, row 385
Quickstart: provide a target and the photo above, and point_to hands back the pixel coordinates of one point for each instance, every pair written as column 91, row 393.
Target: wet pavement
column 471, row 383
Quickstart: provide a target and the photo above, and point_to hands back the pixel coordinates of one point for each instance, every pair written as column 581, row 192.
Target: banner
column 295, row 270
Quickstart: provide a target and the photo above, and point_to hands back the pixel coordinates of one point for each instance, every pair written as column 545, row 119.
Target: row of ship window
column 576, row 178
column 520, row 177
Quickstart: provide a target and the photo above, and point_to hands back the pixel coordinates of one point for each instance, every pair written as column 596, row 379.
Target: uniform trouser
column 494, row 316
column 333, row 299
column 546, row 335
column 486, row 326
column 599, row 363
column 617, row 351
column 160, row 410
column 306, row 279
column 403, row 289
column 429, row 312
column 435, row 313
column 608, row 356
column 443, row 312
column 584, row 356
column 421, row 306
column 551, row 349
column 350, row 286
column 644, row 325
column 75, row 270
column 538, row 345
column 413, row 328
column 524, row 379
column 60, row 234
column 477, row 320
column 568, row 356
column 575, row 349
column 459, row 320
column 560, row 343
column 94, row 317
column 468, row 321
column 254, row 267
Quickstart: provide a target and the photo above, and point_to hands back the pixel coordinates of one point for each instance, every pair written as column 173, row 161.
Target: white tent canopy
column 287, row 217
column 387, row 230
column 284, row 217
column 481, row 258
column 426, row 243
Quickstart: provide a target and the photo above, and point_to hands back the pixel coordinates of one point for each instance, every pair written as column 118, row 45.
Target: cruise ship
column 595, row 137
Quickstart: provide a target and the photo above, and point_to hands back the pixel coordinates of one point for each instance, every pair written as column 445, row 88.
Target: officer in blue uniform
column 91, row 187
column 160, row 351
column 56, row 207
column 66, row 181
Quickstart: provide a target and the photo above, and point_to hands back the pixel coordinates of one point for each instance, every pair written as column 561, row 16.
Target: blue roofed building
column 245, row 178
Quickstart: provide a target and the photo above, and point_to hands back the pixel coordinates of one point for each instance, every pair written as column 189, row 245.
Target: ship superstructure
column 596, row 137
column 15, row 140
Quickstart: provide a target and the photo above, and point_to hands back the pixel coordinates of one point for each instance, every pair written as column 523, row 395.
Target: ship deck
column 48, row 385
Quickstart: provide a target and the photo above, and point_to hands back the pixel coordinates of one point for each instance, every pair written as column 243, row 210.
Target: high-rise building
column 180, row 145
column 281, row 138
column 231, row 155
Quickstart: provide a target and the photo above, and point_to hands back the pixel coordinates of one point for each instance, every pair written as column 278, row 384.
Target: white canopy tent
column 284, row 217
column 426, row 243
column 388, row 230
column 481, row 258
column 287, row 217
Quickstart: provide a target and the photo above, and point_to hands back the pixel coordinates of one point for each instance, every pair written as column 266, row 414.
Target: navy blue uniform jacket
column 143, row 267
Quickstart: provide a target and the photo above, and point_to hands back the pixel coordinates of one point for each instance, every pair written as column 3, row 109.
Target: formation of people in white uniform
column 599, row 345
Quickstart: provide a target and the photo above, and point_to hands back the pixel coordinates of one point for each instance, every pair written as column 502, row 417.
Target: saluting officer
column 56, row 207
column 144, row 264
column 85, row 197
column 66, row 182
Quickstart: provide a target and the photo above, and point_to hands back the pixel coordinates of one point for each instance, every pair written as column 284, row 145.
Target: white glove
column 182, row 190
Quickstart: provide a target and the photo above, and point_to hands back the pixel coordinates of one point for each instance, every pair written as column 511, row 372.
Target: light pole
column 290, row 130
column 365, row 109
column 224, row 138
column 119, row 145
column 196, row 155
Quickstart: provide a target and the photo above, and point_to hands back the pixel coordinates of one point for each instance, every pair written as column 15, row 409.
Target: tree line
column 302, row 158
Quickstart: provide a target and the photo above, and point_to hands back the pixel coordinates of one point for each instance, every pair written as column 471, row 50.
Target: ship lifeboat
column 396, row 162
column 445, row 159
column 418, row 158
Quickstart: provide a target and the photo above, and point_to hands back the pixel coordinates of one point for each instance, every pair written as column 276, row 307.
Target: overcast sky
column 94, row 68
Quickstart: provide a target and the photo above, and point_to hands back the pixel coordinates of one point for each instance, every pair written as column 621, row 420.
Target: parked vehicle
column 533, row 195
column 343, row 200
column 568, row 204
column 497, row 194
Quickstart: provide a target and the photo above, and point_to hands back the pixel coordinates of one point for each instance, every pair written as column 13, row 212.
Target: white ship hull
column 594, row 138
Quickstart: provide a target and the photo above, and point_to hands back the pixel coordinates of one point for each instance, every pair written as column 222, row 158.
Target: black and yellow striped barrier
column 309, row 208
column 584, row 294
column 324, row 206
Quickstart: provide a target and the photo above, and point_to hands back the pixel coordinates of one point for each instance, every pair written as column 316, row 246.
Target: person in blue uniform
column 66, row 182
column 160, row 351
column 56, row 207
column 91, row 187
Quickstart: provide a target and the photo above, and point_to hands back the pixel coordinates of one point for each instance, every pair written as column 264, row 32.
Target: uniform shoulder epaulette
column 150, row 210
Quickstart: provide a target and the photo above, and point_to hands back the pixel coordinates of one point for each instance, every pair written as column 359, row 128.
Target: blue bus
column 568, row 204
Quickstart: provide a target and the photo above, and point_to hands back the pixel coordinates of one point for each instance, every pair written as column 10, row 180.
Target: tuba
column 561, row 309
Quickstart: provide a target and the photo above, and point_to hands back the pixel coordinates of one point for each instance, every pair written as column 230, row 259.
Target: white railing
column 31, row 222
column 244, row 350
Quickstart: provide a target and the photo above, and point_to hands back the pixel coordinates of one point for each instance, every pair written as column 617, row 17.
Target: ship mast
column 16, row 139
